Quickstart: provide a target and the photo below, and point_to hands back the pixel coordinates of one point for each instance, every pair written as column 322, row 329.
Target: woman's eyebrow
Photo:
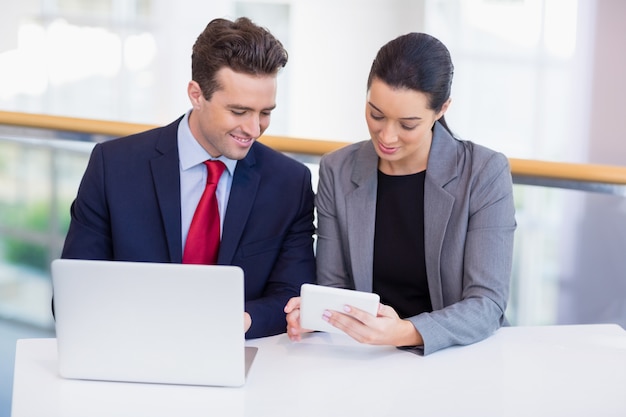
column 375, row 108
column 401, row 118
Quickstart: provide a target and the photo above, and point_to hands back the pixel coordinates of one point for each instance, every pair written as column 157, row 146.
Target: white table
column 520, row 371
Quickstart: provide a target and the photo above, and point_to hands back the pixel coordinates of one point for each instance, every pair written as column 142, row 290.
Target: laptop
column 150, row 322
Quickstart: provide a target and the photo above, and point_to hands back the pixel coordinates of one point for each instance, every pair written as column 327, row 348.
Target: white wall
column 332, row 48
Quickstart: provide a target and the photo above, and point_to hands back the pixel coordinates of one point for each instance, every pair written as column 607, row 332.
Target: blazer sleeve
column 333, row 264
column 484, row 263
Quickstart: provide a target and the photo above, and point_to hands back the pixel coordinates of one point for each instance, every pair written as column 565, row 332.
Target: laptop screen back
column 149, row 322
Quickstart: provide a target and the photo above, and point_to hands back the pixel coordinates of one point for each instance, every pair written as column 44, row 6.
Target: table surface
column 520, row 371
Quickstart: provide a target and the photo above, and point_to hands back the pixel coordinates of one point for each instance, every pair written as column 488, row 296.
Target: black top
column 399, row 259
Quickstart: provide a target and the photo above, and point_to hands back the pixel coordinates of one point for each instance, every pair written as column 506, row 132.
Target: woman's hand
column 292, row 309
column 386, row 328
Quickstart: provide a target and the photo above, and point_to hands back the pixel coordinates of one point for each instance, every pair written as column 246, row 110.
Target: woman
column 415, row 215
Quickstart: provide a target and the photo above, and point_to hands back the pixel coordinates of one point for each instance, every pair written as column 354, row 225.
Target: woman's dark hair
column 416, row 61
column 241, row 46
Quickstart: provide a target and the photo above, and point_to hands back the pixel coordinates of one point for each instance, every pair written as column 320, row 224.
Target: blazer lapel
column 242, row 197
column 361, row 216
column 438, row 203
column 166, row 175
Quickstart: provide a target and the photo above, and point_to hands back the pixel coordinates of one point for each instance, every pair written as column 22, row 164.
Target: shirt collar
column 191, row 153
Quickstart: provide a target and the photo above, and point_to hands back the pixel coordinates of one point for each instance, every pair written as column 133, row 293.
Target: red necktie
column 203, row 239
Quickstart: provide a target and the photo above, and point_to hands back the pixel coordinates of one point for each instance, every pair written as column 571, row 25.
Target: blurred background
column 534, row 79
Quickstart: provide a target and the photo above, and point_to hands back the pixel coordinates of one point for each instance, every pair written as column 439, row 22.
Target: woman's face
column 400, row 124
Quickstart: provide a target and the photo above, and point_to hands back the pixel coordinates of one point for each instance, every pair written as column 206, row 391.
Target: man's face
column 237, row 114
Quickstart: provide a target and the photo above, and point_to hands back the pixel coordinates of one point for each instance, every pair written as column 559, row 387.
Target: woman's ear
column 444, row 108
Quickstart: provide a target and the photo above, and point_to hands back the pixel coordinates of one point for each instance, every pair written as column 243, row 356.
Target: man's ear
column 195, row 94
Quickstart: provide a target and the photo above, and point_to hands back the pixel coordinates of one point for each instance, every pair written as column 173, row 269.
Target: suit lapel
column 361, row 216
column 438, row 203
column 242, row 196
column 166, row 175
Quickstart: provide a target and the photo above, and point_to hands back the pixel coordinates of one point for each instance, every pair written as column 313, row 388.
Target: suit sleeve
column 294, row 266
column 89, row 235
column 487, row 264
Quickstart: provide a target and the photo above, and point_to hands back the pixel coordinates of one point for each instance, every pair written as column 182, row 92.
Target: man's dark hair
column 241, row 46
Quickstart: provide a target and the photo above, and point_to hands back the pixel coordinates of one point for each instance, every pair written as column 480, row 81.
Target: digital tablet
column 317, row 298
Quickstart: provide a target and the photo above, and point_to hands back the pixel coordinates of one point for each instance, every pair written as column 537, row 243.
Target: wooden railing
column 592, row 177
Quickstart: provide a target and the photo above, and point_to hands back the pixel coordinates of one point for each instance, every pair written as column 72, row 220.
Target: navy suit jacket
column 128, row 209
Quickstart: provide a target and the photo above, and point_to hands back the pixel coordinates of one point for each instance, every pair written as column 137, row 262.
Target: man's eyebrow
column 246, row 108
column 401, row 118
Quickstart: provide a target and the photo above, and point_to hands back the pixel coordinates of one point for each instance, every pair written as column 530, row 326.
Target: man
column 139, row 194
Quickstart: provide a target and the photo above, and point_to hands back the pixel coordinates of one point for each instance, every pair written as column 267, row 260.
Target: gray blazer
column 469, row 223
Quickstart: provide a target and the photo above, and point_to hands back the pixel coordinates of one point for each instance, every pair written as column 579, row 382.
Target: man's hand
column 247, row 321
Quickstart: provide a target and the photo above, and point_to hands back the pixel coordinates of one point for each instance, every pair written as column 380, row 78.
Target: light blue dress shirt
column 193, row 175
